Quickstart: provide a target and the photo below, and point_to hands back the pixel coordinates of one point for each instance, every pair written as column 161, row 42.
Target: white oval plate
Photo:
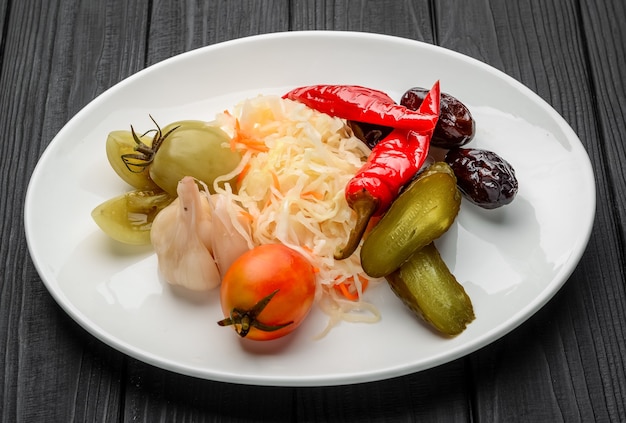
column 511, row 260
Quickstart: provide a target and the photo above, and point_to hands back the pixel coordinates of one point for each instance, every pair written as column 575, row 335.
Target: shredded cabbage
column 290, row 182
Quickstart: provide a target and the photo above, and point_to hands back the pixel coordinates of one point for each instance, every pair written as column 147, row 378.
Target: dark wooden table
column 566, row 363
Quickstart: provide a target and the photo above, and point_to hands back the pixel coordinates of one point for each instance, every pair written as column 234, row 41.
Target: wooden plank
column 158, row 395
column 605, row 36
column 434, row 395
column 57, row 57
column 4, row 14
column 409, row 19
column 571, row 348
column 206, row 23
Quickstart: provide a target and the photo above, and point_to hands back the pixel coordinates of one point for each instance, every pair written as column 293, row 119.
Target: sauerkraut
column 290, row 187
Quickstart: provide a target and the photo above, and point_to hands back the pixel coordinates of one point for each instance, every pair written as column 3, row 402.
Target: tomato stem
column 245, row 320
column 136, row 163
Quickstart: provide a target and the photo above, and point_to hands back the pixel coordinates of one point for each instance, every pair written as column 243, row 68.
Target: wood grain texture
column 566, row 363
column 159, row 395
column 54, row 62
column 435, row 395
column 605, row 35
column 409, row 19
column 176, row 27
column 4, row 16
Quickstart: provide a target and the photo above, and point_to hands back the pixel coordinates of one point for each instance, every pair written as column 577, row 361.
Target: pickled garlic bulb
column 230, row 232
column 181, row 236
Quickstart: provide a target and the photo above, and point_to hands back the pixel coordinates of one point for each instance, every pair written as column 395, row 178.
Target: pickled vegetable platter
column 510, row 260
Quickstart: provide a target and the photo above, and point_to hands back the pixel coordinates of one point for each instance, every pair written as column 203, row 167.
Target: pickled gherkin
column 425, row 284
column 421, row 214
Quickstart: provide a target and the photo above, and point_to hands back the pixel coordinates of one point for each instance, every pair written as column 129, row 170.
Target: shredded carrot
column 253, row 144
column 249, row 142
column 243, row 173
column 275, row 180
column 246, row 215
column 348, row 289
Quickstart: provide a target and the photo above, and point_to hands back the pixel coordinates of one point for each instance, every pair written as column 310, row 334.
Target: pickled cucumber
column 421, row 214
column 425, row 284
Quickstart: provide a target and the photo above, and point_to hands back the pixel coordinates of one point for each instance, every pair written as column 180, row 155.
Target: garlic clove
column 181, row 237
column 230, row 231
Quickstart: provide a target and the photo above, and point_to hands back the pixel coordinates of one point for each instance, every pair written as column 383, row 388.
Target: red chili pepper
column 353, row 102
column 391, row 164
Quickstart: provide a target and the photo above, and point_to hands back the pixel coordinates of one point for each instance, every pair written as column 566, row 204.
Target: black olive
column 483, row 177
column 455, row 127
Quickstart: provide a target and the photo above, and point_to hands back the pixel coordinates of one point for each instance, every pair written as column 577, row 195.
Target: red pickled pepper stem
column 391, row 164
column 354, row 102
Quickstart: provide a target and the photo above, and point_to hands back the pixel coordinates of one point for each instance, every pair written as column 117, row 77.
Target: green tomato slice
column 128, row 218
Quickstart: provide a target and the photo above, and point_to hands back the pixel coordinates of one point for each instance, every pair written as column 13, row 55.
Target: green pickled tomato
column 120, row 145
column 128, row 217
column 196, row 149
